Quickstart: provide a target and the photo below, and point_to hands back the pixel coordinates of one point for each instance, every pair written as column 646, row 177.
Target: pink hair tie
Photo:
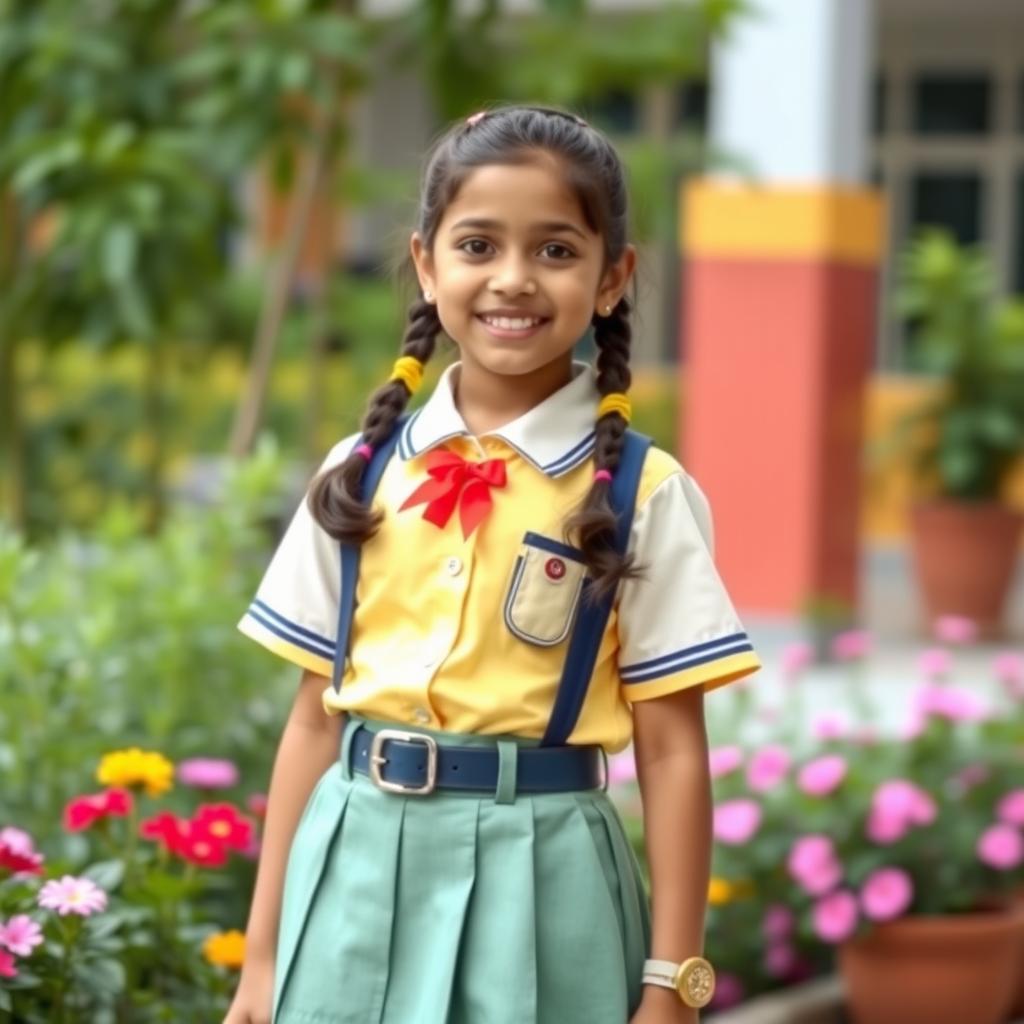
column 365, row 450
column 603, row 474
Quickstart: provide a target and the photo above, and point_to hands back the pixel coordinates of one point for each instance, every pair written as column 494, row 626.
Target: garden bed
column 816, row 1002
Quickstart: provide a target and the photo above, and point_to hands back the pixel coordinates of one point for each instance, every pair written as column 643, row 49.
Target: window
column 616, row 112
column 949, row 200
column 1017, row 280
column 692, row 106
column 952, row 104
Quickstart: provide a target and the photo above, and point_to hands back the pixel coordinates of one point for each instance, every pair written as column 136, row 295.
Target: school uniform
column 509, row 906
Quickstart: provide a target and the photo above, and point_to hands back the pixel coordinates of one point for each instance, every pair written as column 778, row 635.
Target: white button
column 454, row 566
column 421, row 715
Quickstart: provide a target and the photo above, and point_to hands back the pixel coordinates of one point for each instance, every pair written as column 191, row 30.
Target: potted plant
column 842, row 840
column 966, row 440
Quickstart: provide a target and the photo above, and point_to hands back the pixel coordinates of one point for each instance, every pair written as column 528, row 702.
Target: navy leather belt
column 416, row 764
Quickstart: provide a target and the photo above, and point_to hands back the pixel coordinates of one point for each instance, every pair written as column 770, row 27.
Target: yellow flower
column 134, row 767
column 719, row 891
column 225, row 949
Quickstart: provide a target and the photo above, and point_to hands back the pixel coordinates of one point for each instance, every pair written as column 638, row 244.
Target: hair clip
column 475, row 119
column 603, row 474
column 365, row 450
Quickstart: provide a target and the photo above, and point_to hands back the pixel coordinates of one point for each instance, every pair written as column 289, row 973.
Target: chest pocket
column 544, row 592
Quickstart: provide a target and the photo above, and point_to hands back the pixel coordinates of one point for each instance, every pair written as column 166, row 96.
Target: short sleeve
column 295, row 611
column 677, row 624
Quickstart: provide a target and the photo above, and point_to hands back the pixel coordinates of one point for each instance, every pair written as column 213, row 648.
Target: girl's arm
column 309, row 744
column 671, row 749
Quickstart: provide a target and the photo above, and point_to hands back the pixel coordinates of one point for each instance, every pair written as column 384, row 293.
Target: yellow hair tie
column 616, row 402
column 409, row 370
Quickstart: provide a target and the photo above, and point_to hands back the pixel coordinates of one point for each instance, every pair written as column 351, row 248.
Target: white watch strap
column 663, row 967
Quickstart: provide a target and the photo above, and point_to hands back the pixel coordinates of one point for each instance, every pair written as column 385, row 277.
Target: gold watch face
column 695, row 981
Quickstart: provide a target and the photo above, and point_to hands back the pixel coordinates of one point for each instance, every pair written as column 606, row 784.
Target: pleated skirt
column 459, row 908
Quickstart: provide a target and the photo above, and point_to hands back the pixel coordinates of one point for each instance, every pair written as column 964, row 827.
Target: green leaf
column 120, row 250
column 107, row 874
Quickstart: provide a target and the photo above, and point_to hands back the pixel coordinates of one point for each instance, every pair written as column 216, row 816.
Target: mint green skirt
column 454, row 908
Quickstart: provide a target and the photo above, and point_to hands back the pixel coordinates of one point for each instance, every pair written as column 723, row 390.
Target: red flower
column 7, row 968
column 223, row 822
column 166, row 828
column 257, row 803
column 202, row 847
column 85, row 811
column 18, row 862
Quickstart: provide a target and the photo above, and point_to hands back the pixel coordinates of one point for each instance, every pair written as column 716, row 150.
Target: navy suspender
column 350, row 553
column 592, row 616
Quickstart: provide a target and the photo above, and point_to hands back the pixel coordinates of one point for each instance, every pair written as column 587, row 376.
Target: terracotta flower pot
column 949, row 969
column 1018, row 1008
column 964, row 555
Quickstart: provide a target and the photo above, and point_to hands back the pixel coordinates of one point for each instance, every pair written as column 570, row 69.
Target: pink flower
column 736, row 821
column 207, row 773
column 851, row 645
column 886, row 893
column 812, row 862
column 896, row 806
column 1008, row 668
column 794, row 659
column 17, row 853
column 950, row 702
column 729, row 991
column 969, row 777
column 17, row 841
column 829, row 727
column 835, row 916
column 779, row 959
column 822, row 775
column 767, row 768
column 621, row 768
column 1001, row 847
column 257, row 804
column 778, row 922
column 934, row 663
column 72, row 896
column 1010, row 809
column 954, row 629
column 20, row 935
column 724, row 760
column 7, row 968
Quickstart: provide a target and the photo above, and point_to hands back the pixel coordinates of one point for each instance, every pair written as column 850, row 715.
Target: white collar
column 555, row 435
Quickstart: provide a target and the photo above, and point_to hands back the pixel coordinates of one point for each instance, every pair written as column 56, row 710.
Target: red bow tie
column 456, row 481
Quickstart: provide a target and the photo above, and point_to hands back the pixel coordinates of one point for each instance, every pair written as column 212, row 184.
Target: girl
column 521, row 587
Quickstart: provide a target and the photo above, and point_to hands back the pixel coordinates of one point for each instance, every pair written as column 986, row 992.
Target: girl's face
column 516, row 273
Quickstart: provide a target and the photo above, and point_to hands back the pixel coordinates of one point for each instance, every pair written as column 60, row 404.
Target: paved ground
column 892, row 614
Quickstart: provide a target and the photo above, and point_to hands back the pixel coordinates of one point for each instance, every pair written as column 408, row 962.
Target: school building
column 857, row 122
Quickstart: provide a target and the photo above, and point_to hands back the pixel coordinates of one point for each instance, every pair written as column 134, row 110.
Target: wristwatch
column 693, row 979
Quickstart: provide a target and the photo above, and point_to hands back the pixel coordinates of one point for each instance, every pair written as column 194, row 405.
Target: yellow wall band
column 744, row 221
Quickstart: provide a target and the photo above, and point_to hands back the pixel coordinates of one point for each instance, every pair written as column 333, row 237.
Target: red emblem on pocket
column 555, row 568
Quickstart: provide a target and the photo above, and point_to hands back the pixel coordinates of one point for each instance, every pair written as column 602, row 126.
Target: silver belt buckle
column 377, row 759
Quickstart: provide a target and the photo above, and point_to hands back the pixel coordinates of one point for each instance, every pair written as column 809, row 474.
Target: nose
column 512, row 278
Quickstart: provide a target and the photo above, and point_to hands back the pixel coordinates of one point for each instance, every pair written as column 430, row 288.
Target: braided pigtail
column 593, row 523
column 333, row 498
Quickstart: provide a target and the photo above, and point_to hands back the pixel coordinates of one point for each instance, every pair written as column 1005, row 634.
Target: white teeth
column 508, row 324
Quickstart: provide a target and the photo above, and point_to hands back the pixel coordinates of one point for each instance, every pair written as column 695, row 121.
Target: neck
column 488, row 401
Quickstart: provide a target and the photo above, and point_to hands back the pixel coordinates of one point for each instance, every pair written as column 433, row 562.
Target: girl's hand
column 663, row 1006
column 254, row 997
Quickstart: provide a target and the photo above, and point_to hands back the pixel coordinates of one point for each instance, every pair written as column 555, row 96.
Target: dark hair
column 509, row 135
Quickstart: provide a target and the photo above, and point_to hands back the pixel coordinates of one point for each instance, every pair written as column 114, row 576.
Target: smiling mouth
column 512, row 323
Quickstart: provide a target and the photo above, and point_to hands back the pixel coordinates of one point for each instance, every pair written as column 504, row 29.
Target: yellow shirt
column 470, row 635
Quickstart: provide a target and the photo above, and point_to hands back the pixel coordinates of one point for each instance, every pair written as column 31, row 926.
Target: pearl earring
column 428, row 296
column 607, row 310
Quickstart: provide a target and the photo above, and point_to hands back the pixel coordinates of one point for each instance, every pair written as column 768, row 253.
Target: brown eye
column 471, row 242
column 568, row 253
